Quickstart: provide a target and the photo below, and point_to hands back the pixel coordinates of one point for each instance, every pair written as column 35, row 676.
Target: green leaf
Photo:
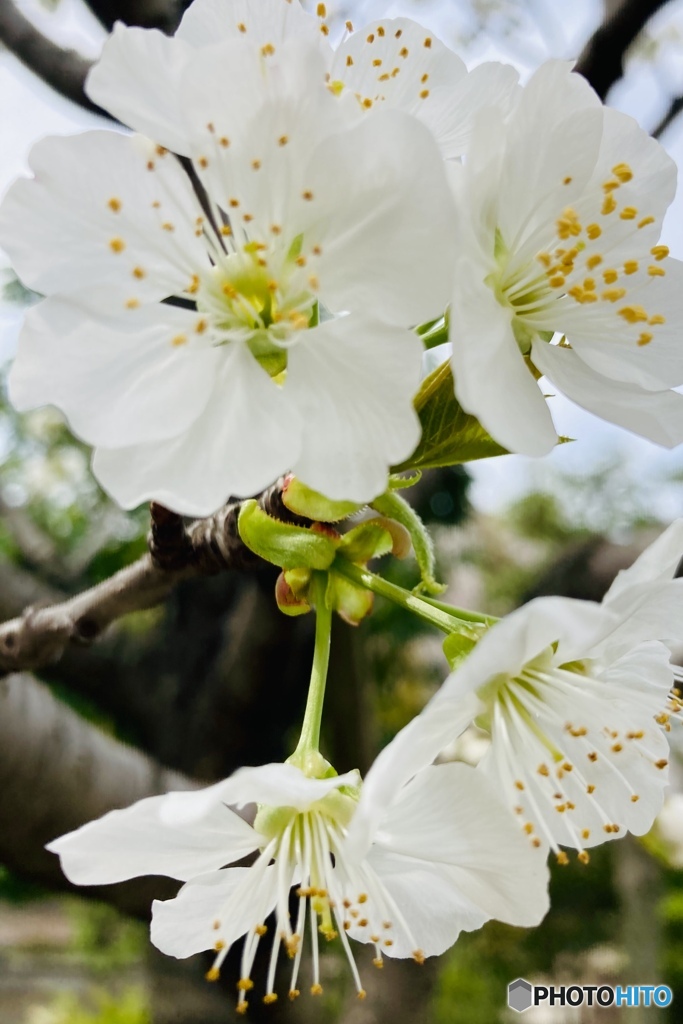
column 449, row 434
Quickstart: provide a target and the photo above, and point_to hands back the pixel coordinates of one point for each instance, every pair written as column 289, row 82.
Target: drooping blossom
column 561, row 206
column 206, row 337
column 424, row 878
column 577, row 699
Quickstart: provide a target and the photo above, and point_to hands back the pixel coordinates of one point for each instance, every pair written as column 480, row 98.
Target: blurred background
column 215, row 678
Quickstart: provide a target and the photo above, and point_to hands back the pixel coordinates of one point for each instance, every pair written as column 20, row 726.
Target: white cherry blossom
column 422, row 881
column 398, row 63
column 207, row 339
column 577, row 699
column 561, row 206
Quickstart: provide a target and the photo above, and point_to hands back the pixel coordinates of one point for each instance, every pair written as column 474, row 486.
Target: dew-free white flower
column 304, row 218
column 398, row 63
column 422, row 881
column 576, row 697
column 562, row 205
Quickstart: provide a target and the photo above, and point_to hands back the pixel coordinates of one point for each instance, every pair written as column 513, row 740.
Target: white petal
column 492, row 381
column 412, row 749
column 116, row 387
column 656, row 415
column 449, row 824
column 238, row 898
column 89, row 220
column 140, row 840
column 657, row 563
column 268, row 21
column 382, row 213
column 137, row 79
column 247, row 435
column 648, row 612
column 353, row 379
column 277, row 785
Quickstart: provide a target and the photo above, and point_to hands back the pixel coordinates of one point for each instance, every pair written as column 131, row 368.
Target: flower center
column 306, row 850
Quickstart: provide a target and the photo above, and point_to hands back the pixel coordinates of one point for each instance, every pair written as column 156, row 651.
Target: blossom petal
column 656, row 415
column 492, row 381
column 452, row 859
column 411, row 750
column 269, row 21
column 373, row 187
column 657, row 564
column 137, row 80
column 237, row 898
column 116, row 387
column 353, row 380
column 141, row 840
column 247, row 435
column 124, row 229
column 278, row 785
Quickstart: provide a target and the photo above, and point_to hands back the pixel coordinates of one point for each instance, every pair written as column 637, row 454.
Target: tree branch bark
column 163, row 14
column 675, row 108
column 58, row 772
column 602, row 59
column 40, row 636
column 63, row 70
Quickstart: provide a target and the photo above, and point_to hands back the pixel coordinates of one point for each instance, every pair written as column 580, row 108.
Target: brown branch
column 675, row 108
column 163, row 14
column 40, row 635
column 58, row 772
column 602, row 59
column 64, row 70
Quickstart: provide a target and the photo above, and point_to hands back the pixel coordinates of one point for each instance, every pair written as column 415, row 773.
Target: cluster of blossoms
column 246, row 287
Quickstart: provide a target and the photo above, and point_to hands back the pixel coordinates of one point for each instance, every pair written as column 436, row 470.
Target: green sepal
column 449, row 434
column 283, row 544
column 399, row 482
column 350, row 602
column 365, row 541
column 393, row 506
column 288, row 600
column 457, row 646
column 309, row 503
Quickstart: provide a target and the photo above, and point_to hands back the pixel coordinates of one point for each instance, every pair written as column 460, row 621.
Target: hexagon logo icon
column 520, row 995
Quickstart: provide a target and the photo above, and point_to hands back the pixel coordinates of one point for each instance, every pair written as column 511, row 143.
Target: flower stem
column 310, row 729
column 449, row 620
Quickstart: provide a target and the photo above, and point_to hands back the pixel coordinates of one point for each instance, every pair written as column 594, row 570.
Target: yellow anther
column 589, row 284
column 370, row 38
column 261, row 929
column 114, row 204
column 610, row 186
column 519, row 784
column 536, row 842
column 349, row 60
column 270, row 997
column 234, row 203
column 644, row 339
column 613, row 294
column 361, row 994
column 268, row 50
column 242, row 1008
column 645, row 221
column 557, row 281
column 138, row 272
column 213, row 974
column 117, row 244
column 568, row 180
column 631, row 266
column 317, row 989
column 560, row 808
column 211, row 127
column 201, row 326
column 168, row 226
column 543, row 769
column 388, row 942
column 294, row 993
column 247, row 217
column 633, row 314
column 617, row 747
column 623, row 172
column 380, row 30
column 316, row 250
column 226, row 230
column 657, row 319
column 366, row 103
column 629, row 213
column 585, row 833
column 216, row 925
column 590, row 788
column 363, row 898
column 568, row 224
column 377, row 63
column 307, row 195
column 378, row 962
column 584, row 856
column 428, row 42
column 424, row 78
column 545, row 259
column 593, row 261
column 562, row 858
column 255, row 165
column 609, row 205
column 150, row 166
column 593, row 231
column 203, row 162
column 349, row 26
column 610, row 276
column 661, row 764
column 241, row 26
column 313, row 282
column 301, row 261
column 660, row 252
column 656, row 271
column 224, row 141
column 403, row 52
column 132, row 303
column 424, row 94
column 325, row 30
column 181, row 339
